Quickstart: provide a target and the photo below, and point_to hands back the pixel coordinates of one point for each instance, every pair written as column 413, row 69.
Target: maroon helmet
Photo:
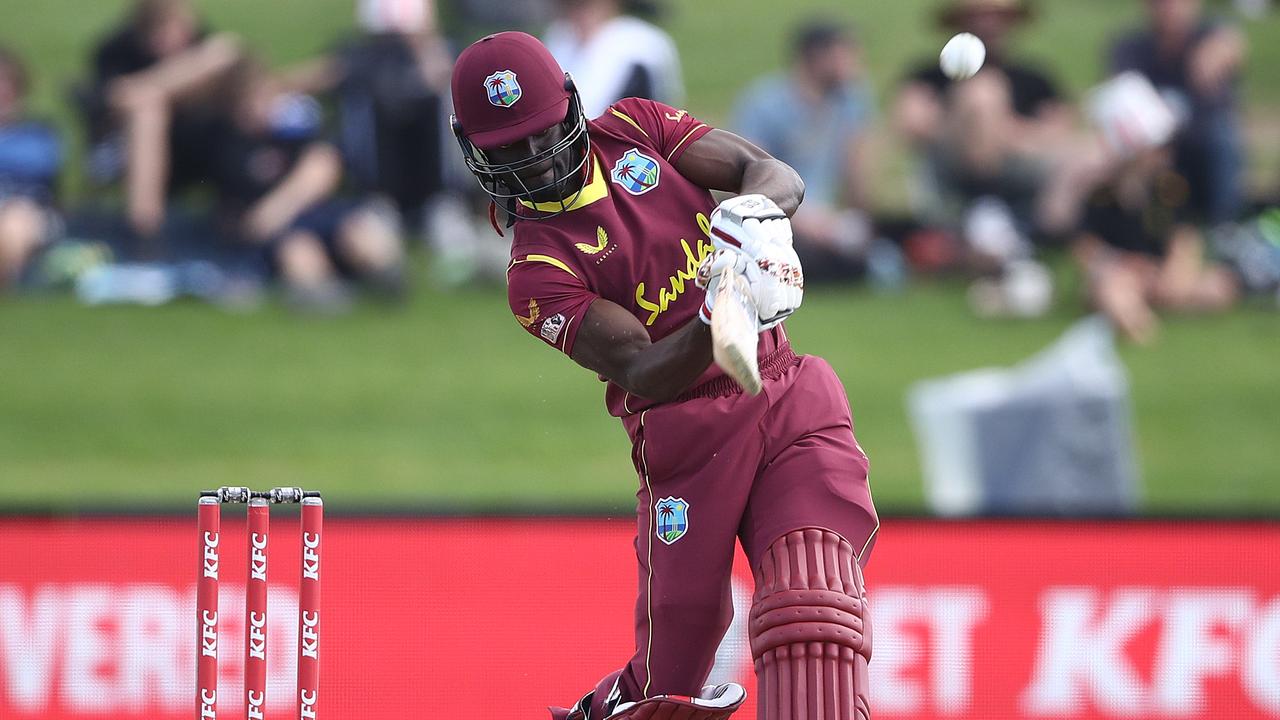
column 508, row 87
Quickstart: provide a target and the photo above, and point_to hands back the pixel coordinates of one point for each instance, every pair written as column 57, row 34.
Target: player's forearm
column 775, row 180
column 663, row 370
column 721, row 160
column 624, row 355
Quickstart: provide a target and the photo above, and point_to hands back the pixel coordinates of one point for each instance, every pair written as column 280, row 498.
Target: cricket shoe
column 714, row 703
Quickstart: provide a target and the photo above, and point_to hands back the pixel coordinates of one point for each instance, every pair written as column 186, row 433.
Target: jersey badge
column 551, row 328
column 673, row 519
column 636, row 172
column 503, row 88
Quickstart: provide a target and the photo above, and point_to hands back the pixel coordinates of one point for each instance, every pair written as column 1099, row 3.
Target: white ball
column 962, row 56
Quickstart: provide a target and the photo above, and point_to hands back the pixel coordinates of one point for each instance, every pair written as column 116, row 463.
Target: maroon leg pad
column 810, row 631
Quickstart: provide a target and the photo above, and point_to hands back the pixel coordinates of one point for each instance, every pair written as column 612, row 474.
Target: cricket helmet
column 507, row 87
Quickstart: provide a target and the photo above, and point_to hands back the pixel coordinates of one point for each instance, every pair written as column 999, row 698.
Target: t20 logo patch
column 636, row 172
column 673, row 518
column 551, row 328
column 503, row 88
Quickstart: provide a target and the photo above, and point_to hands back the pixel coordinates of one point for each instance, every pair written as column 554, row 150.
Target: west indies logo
column 673, row 518
column 503, row 88
column 636, row 172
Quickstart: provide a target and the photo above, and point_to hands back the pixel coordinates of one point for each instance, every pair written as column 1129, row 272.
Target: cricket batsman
column 617, row 244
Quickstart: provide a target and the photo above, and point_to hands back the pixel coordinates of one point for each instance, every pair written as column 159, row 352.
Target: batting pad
column 810, row 631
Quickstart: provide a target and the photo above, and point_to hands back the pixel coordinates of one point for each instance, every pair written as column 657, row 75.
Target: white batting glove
column 779, row 287
column 710, row 270
column 775, row 281
column 750, row 224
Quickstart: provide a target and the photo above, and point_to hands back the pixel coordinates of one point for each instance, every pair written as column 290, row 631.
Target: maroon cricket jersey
column 634, row 235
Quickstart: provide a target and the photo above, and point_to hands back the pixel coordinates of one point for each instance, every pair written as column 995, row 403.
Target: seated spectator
column 612, row 56
column 815, row 117
column 1195, row 63
column 392, row 86
column 148, row 107
column 393, row 103
column 276, row 179
column 477, row 18
column 990, row 142
column 30, row 159
column 1137, row 246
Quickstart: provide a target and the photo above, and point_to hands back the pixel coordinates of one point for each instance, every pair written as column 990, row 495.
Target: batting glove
column 775, row 281
column 778, row 288
column 710, row 270
column 750, row 224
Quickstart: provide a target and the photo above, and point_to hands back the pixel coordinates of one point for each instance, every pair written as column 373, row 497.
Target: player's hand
column 778, row 288
column 775, row 279
column 710, row 271
column 751, row 224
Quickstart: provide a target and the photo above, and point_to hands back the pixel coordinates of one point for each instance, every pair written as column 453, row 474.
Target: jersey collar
column 595, row 190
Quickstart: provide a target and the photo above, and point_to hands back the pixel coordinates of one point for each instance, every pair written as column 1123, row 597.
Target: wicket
column 255, row 659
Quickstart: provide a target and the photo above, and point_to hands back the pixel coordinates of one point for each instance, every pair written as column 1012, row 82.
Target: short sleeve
column 548, row 299
column 666, row 129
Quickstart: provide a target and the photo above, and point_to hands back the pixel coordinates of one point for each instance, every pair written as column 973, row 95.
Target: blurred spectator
column 477, row 18
column 276, row 182
column 1195, row 63
column 612, row 56
column 145, row 115
column 1137, row 246
column 815, row 117
column 988, row 144
column 392, row 88
column 30, row 159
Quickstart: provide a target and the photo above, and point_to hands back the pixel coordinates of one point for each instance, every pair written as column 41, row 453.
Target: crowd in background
column 210, row 175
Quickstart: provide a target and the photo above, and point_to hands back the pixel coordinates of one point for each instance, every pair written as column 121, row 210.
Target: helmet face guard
column 502, row 182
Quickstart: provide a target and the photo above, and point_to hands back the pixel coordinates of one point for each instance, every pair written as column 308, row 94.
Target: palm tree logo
column 636, row 172
column 503, row 89
column 673, row 519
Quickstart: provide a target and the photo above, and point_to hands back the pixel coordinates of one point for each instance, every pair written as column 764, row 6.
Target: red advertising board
column 485, row 618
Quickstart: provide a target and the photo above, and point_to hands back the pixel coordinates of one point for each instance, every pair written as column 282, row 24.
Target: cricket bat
column 735, row 331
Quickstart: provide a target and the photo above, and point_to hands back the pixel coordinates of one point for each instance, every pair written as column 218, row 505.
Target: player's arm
column 613, row 343
column 721, row 160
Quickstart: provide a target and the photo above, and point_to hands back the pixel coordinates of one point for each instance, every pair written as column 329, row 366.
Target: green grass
column 448, row 404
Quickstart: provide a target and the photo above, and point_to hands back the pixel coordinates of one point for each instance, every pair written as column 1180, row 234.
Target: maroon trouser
column 722, row 466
